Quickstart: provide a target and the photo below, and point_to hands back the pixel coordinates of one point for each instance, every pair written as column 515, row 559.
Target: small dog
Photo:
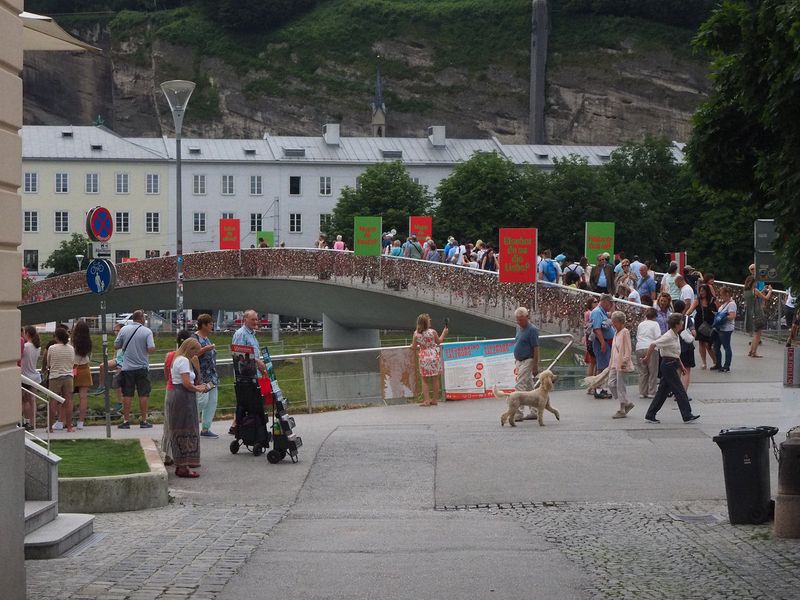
column 538, row 398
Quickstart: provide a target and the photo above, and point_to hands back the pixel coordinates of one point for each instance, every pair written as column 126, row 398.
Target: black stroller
column 251, row 428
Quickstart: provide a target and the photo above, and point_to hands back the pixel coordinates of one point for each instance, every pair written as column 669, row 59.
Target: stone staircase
column 48, row 534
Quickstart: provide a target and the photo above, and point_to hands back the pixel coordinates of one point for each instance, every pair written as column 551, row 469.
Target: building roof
column 99, row 143
column 67, row 142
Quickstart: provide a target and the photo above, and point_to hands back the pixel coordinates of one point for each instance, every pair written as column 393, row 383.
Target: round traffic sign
column 101, row 276
column 99, row 224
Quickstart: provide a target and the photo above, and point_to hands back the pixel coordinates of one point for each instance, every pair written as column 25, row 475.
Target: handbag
column 705, row 329
column 720, row 318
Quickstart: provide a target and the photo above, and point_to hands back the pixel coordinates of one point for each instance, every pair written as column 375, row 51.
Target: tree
column 385, row 190
column 746, row 138
column 62, row 260
column 481, row 195
column 256, row 15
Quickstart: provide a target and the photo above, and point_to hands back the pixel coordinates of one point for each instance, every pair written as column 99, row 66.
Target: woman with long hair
column 166, row 447
column 30, row 357
column 722, row 336
column 754, row 319
column 184, row 443
column 82, row 343
column 588, row 356
column 60, row 362
column 426, row 342
column 705, row 306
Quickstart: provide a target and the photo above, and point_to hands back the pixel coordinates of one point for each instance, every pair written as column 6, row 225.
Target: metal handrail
column 51, row 396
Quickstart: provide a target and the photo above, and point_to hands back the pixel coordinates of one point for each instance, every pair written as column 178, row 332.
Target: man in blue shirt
column 246, row 336
column 647, row 283
column 526, row 355
column 603, row 337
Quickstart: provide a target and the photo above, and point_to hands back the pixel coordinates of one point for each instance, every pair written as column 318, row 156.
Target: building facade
column 288, row 185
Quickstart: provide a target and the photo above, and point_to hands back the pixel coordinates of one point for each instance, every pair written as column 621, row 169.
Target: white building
column 288, row 185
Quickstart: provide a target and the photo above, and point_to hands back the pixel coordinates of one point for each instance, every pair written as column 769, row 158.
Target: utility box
column 791, row 367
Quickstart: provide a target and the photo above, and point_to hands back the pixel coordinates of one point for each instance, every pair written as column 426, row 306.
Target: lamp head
column 178, row 93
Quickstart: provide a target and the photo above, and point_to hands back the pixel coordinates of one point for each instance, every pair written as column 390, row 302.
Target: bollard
column 787, row 502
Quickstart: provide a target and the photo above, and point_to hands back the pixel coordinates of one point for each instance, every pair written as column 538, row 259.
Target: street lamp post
column 178, row 93
column 79, row 260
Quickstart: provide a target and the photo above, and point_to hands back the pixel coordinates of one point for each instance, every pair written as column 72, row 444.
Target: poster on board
column 367, row 236
column 229, row 234
column 471, row 369
column 599, row 238
column 518, row 254
column 267, row 236
column 422, row 227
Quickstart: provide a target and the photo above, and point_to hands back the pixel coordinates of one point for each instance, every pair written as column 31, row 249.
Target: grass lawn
column 95, row 458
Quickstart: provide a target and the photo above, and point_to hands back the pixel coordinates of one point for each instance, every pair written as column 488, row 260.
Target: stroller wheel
column 258, row 450
column 274, row 457
column 234, row 447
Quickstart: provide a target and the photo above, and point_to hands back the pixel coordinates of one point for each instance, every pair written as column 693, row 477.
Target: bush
column 682, row 13
column 256, row 15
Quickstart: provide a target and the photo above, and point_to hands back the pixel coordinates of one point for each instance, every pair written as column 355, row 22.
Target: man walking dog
column 526, row 355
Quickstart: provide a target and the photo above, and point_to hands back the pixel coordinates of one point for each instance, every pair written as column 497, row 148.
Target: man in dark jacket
column 602, row 278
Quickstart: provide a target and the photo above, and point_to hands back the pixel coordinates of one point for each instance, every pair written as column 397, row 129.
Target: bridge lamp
column 178, row 93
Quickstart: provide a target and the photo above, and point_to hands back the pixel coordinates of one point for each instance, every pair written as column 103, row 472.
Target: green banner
column 367, row 236
column 599, row 239
column 266, row 236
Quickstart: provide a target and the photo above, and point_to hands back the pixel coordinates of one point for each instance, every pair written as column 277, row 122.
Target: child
column 620, row 364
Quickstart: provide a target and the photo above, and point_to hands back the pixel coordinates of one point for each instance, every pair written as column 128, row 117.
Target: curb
column 117, row 493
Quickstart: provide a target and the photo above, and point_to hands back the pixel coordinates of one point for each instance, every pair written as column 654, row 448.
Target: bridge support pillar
column 276, row 327
column 336, row 336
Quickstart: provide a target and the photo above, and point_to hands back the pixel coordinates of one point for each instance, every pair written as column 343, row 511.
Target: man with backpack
column 413, row 248
column 549, row 269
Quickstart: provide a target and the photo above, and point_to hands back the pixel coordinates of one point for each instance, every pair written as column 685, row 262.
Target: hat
column 560, row 257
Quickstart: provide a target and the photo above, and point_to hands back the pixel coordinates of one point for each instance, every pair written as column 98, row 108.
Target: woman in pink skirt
column 426, row 342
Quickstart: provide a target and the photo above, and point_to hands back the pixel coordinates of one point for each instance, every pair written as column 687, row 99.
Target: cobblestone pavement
column 179, row 551
column 642, row 551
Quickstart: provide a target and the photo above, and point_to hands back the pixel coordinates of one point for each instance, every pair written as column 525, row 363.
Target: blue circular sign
column 101, row 276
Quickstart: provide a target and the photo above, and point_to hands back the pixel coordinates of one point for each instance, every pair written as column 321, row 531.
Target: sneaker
column 715, row 368
column 209, row 434
column 629, row 407
column 57, row 426
column 124, row 425
column 145, row 425
column 691, row 418
column 620, row 414
column 725, row 370
column 80, row 424
column 98, row 390
column 653, row 420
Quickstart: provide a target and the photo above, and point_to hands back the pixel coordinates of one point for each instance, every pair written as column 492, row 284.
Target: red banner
column 421, row 226
column 229, row 234
column 680, row 258
column 129, row 259
column 518, row 255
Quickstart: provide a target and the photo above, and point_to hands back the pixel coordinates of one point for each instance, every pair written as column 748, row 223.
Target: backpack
column 550, row 271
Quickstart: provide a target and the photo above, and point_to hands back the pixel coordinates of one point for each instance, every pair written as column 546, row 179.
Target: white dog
column 538, row 398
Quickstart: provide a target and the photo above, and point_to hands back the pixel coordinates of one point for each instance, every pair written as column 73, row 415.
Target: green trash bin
column 745, row 461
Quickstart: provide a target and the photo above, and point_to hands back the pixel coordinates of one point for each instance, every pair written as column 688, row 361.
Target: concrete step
column 58, row 536
column 39, row 513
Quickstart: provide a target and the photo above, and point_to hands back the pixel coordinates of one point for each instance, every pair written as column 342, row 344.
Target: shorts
column 61, row 385
column 135, row 379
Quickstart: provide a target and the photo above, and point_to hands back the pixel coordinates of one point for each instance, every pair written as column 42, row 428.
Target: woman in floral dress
column 426, row 342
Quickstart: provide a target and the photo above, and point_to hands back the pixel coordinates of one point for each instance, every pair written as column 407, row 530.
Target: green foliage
column 479, row 195
column 62, row 260
column 99, row 458
column 746, row 139
column 255, row 15
column 682, row 13
column 385, row 190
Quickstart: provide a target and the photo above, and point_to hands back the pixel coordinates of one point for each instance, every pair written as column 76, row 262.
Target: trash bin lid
column 761, row 431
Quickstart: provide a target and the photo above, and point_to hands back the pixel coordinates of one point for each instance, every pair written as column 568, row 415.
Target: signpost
column 229, row 234
column 599, row 238
column 765, row 260
column 101, row 277
column 518, row 250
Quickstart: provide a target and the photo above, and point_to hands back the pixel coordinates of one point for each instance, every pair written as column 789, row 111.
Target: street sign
column 101, row 276
column 99, row 224
column 101, row 250
column 765, row 259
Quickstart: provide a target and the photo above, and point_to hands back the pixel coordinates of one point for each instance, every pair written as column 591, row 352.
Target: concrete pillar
column 336, row 336
column 276, row 327
column 12, row 440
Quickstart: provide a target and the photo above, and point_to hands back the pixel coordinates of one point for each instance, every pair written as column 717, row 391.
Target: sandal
column 186, row 472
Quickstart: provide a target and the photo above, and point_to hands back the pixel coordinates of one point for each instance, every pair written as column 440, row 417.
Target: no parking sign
column 99, row 224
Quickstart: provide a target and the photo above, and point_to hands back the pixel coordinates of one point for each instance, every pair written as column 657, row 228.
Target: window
column 358, row 183
column 294, row 185
column 62, row 221
column 416, row 180
column 255, row 185
column 152, row 222
column 30, row 258
column 227, row 215
column 152, row 253
column 30, row 222
column 123, row 183
column 255, row 222
column 324, row 186
column 199, row 185
column 122, row 222
column 92, row 183
column 62, row 183
column 227, row 185
column 295, row 223
column 324, row 220
column 120, row 254
column 31, row 183
column 199, row 222
column 152, row 184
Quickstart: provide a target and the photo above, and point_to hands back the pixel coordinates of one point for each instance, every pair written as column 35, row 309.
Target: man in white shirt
column 686, row 291
column 790, row 307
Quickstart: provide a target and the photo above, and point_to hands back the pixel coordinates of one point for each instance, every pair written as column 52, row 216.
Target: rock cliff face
column 599, row 96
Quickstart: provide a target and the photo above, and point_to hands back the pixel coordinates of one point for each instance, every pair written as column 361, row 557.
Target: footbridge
column 343, row 290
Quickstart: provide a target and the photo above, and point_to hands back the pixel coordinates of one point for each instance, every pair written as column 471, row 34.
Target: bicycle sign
column 101, row 276
column 99, row 224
